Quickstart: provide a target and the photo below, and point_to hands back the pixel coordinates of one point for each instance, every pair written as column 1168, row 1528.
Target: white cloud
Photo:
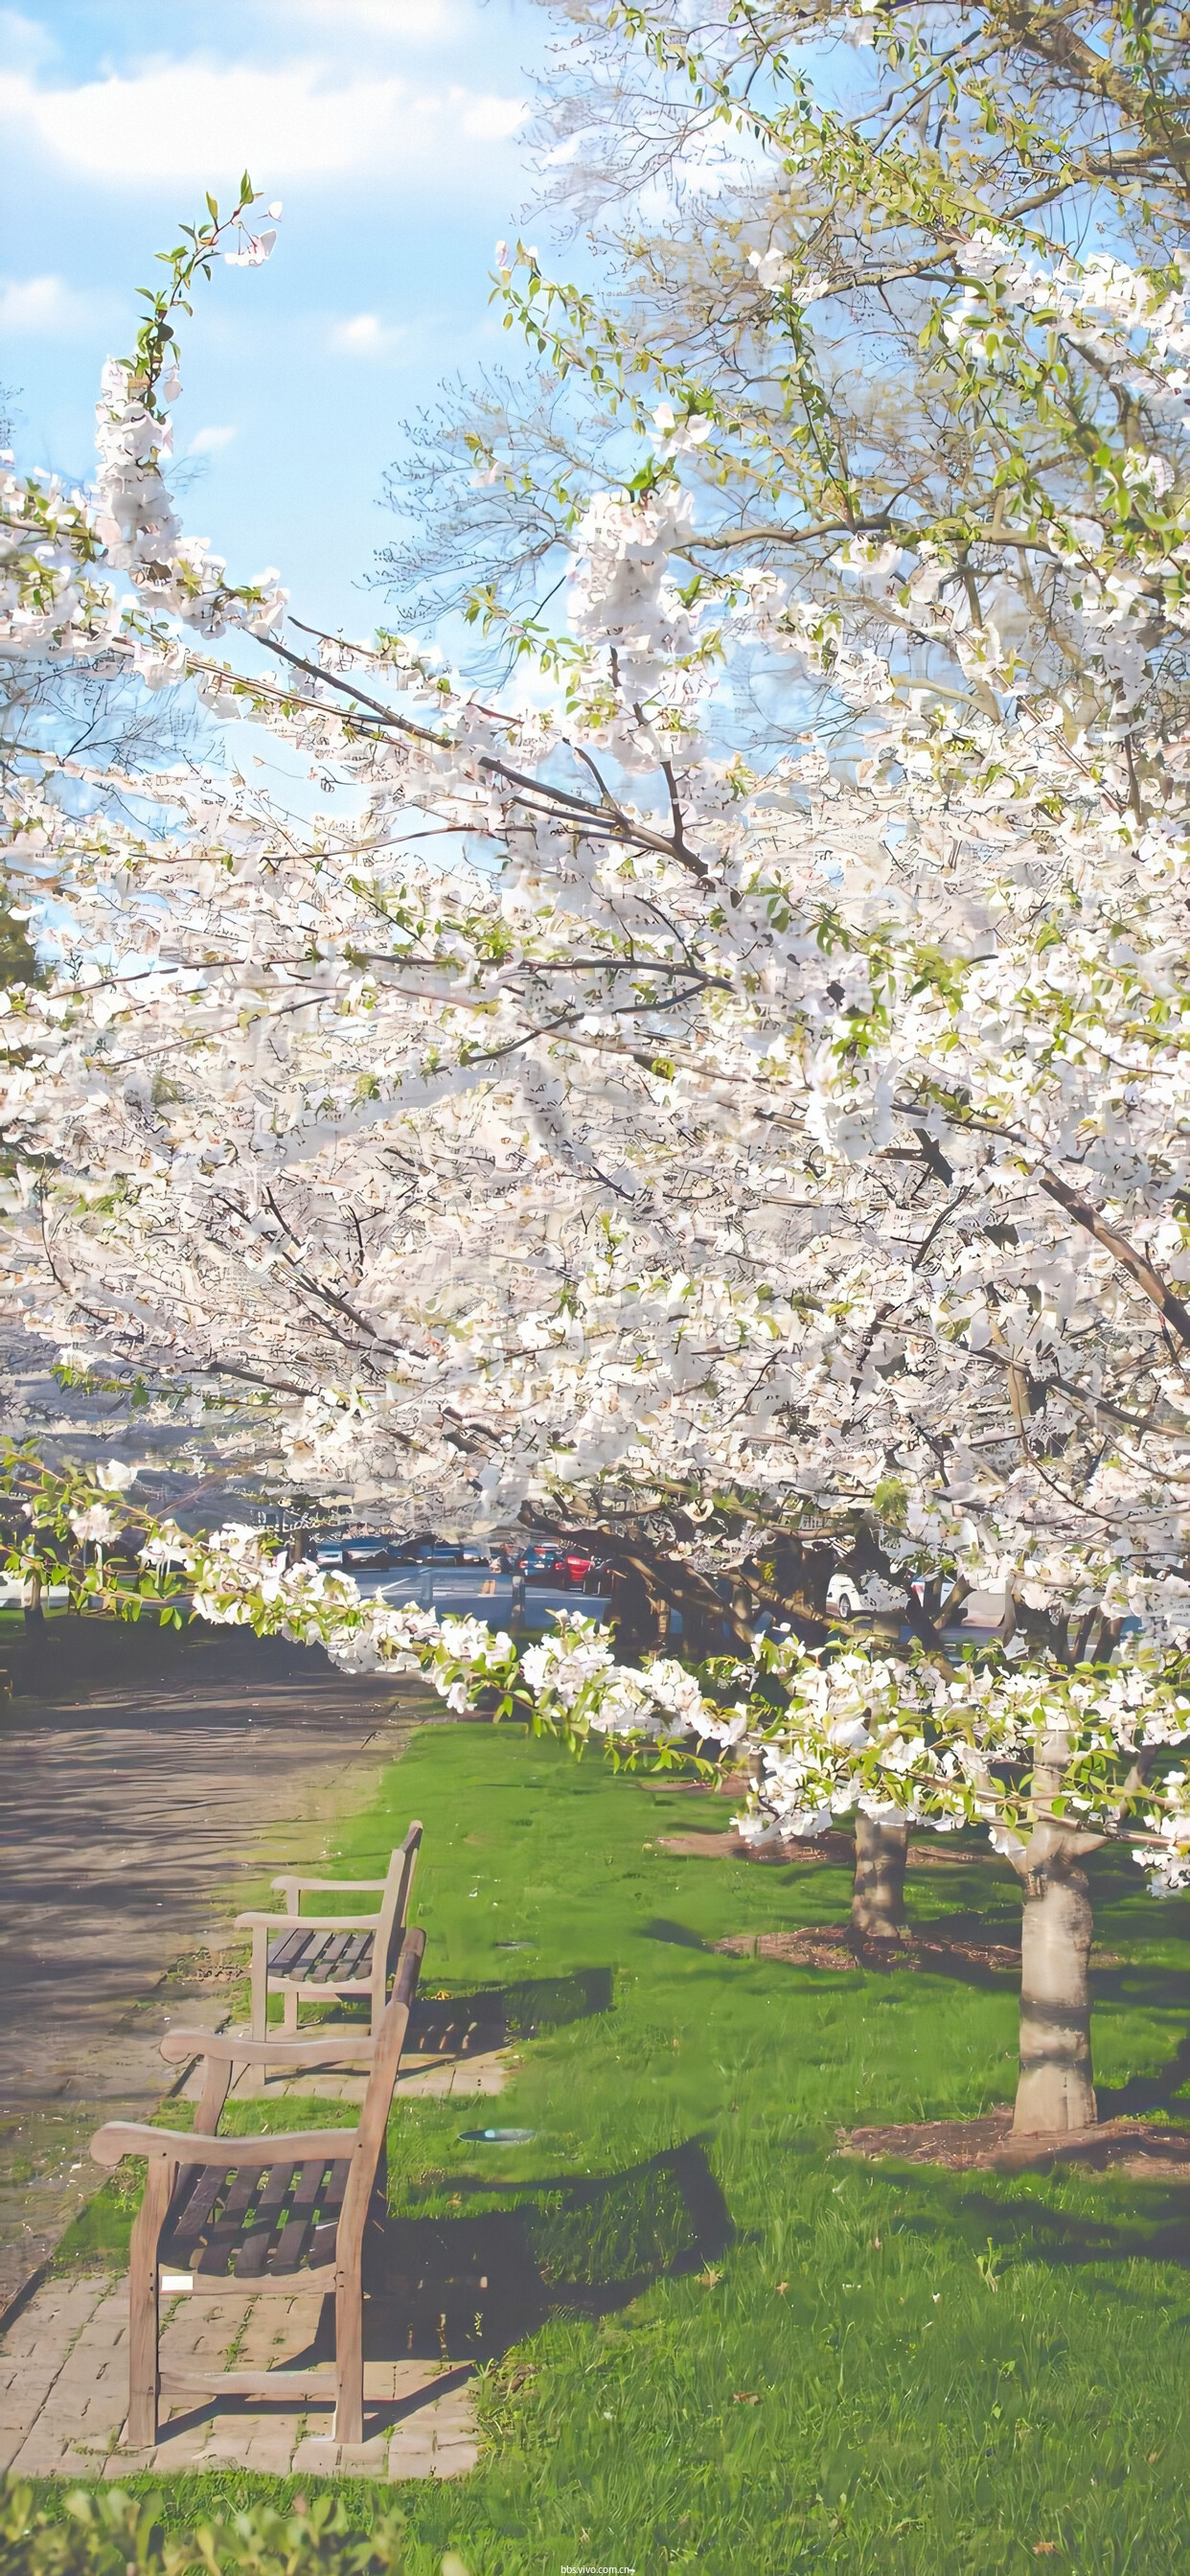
column 204, row 122
column 23, row 43
column 365, row 336
column 486, row 119
column 46, row 306
column 210, row 441
column 402, row 21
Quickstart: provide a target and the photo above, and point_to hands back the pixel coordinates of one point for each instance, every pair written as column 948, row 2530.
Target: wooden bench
column 275, row 2214
column 296, row 1954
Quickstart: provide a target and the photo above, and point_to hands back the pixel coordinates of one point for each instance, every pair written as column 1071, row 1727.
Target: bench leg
column 143, row 2317
column 349, row 2358
column 290, row 2022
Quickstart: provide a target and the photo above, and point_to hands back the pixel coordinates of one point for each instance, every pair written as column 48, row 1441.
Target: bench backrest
column 394, row 1904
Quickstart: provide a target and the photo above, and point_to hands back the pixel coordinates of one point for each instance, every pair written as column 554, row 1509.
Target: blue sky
column 393, row 132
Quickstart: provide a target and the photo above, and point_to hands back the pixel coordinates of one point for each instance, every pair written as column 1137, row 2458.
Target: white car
column 853, row 1597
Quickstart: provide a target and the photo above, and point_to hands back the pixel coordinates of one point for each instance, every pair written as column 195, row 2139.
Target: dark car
column 362, row 1548
column 438, row 1551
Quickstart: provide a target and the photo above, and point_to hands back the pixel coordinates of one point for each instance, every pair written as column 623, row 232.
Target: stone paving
column 484, row 2073
column 64, row 2389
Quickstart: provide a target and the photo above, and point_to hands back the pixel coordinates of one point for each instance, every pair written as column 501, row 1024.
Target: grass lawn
column 706, row 2340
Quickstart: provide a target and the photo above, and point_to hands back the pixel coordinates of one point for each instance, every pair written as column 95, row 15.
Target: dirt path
column 132, row 1814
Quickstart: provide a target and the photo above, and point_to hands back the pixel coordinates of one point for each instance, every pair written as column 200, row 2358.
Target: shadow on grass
column 1143, row 2093
column 1031, row 2230
column 463, row 2288
column 876, row 1958
column 661, row 1929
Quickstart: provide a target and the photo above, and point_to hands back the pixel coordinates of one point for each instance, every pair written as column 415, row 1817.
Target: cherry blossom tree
column 786, row 204
column 769, row 1166
column 810, row 314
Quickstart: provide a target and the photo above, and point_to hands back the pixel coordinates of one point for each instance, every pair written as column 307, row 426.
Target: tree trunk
column 34, row 1613
column 878, row 1895
column 635, row 1615
column 1055, row 2090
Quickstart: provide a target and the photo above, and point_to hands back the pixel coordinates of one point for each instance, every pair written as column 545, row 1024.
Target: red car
column 566, row 1568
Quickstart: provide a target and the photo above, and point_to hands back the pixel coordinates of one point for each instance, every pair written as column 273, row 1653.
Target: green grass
column 947, row 2370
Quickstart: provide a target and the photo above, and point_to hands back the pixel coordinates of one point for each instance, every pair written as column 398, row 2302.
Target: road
column 466, row 1592
column 131, row 1811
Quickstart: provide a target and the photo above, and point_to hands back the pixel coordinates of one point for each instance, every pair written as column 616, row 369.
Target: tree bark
column 34, row 1613
column 878, row 1895
column 1056, row 2090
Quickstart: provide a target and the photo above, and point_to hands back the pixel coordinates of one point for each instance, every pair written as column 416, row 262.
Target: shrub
column 108, row 2532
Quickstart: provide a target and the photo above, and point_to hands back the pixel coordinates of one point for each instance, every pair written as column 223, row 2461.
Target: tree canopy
column 600, row 1110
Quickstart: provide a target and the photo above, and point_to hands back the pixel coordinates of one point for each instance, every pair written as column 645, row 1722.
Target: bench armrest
column 238, row 2048
column 187, row 2147
column 308, row 1922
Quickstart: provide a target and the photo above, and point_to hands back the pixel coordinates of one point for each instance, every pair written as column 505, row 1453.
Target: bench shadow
column 484, row 2017
column 448, row 2025
column 462, row 2287
column 381, row 2414
column 455, row 2289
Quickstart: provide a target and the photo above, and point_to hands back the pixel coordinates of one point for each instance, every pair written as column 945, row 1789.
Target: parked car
column 562, row 1568
column 440, row 1551
column 365, row 1549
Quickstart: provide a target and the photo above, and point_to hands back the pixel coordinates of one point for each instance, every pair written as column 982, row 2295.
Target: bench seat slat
column 202, row 2185
column 322, row 2244
column 224, row 2233
column 292, row 2241
column 334, row 1960
column 358, row 1962
column 252, row 2252
column 309, row 1965
column 322, row 1968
